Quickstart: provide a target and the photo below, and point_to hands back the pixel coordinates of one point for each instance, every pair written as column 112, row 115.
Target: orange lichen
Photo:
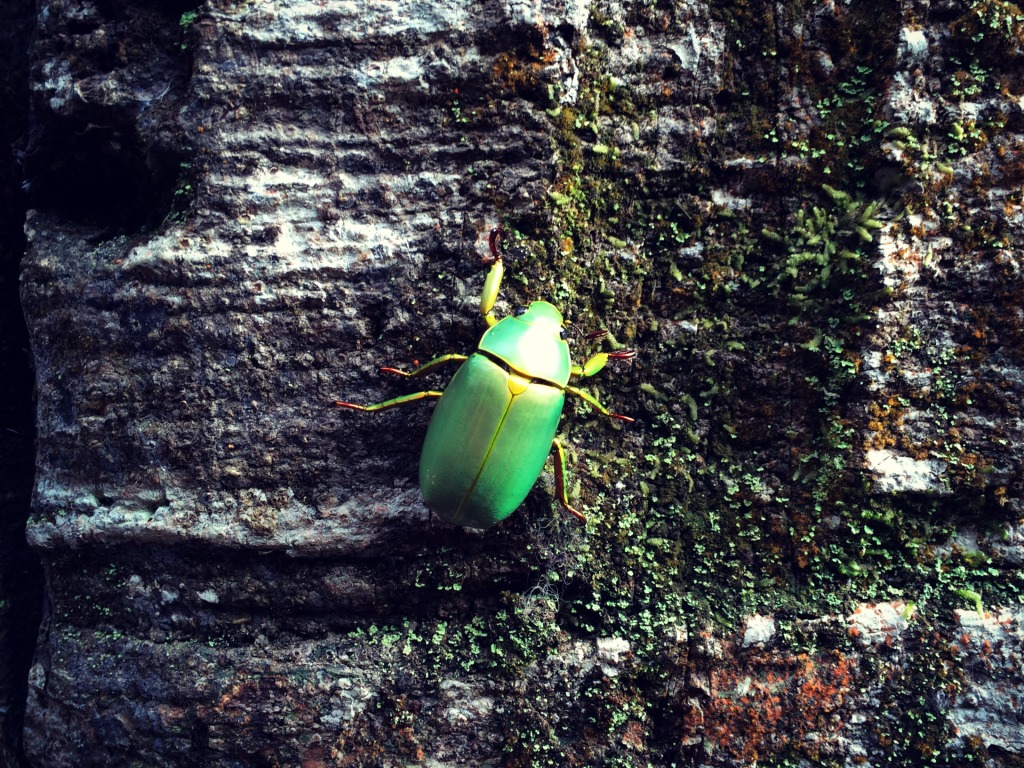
column 515, row 74
column 885, row 421
column 634, row 736
column 774, row 705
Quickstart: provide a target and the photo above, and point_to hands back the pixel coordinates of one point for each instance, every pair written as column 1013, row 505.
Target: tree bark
column 803, row 216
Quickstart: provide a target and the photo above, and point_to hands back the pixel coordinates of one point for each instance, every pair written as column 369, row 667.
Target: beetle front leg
column 597, row 405
column 597, row 363
column 437, row 362
column 560, row 480
column 493, row 282
column 403, row 400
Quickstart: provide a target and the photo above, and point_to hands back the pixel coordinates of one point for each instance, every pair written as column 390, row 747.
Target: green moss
column 825, row 255
column 995, row 26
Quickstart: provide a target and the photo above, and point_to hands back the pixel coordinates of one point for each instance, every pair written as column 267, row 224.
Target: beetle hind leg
column 560, row 480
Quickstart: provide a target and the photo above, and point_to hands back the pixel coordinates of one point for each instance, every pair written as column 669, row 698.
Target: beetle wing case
column 487, row 443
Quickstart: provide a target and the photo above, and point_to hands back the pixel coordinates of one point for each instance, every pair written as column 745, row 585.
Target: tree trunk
column 803, row 217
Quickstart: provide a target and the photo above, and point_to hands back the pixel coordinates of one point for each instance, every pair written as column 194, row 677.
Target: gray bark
column 804, row 216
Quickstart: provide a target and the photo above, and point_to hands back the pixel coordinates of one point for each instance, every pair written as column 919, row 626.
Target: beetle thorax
column 531, row 344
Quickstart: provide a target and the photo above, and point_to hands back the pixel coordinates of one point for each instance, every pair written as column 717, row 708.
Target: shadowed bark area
column 20, row 575
column 802, row 215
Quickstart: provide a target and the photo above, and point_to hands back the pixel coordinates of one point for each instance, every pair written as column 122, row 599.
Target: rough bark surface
column 805, row 216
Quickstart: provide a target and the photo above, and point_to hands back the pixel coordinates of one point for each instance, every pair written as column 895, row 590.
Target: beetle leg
column 493, row 281
column 593, row 365
column 390, row 403
column 560, row 479
column 490, row 293
column 594, row 402
column 597, row 363
column 437, row 362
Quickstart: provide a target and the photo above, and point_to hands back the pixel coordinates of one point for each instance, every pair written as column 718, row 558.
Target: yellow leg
column 493, row 282
column 597, row 406
column 437, row 362
column 597, row 363
column 560, row 480
column 490, row 293
column 403, row 400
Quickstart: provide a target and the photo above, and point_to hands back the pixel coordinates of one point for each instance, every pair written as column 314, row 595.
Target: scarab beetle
column 495, row 424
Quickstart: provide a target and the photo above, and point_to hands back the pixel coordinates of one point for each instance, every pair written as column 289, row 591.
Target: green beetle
column 495, row 424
